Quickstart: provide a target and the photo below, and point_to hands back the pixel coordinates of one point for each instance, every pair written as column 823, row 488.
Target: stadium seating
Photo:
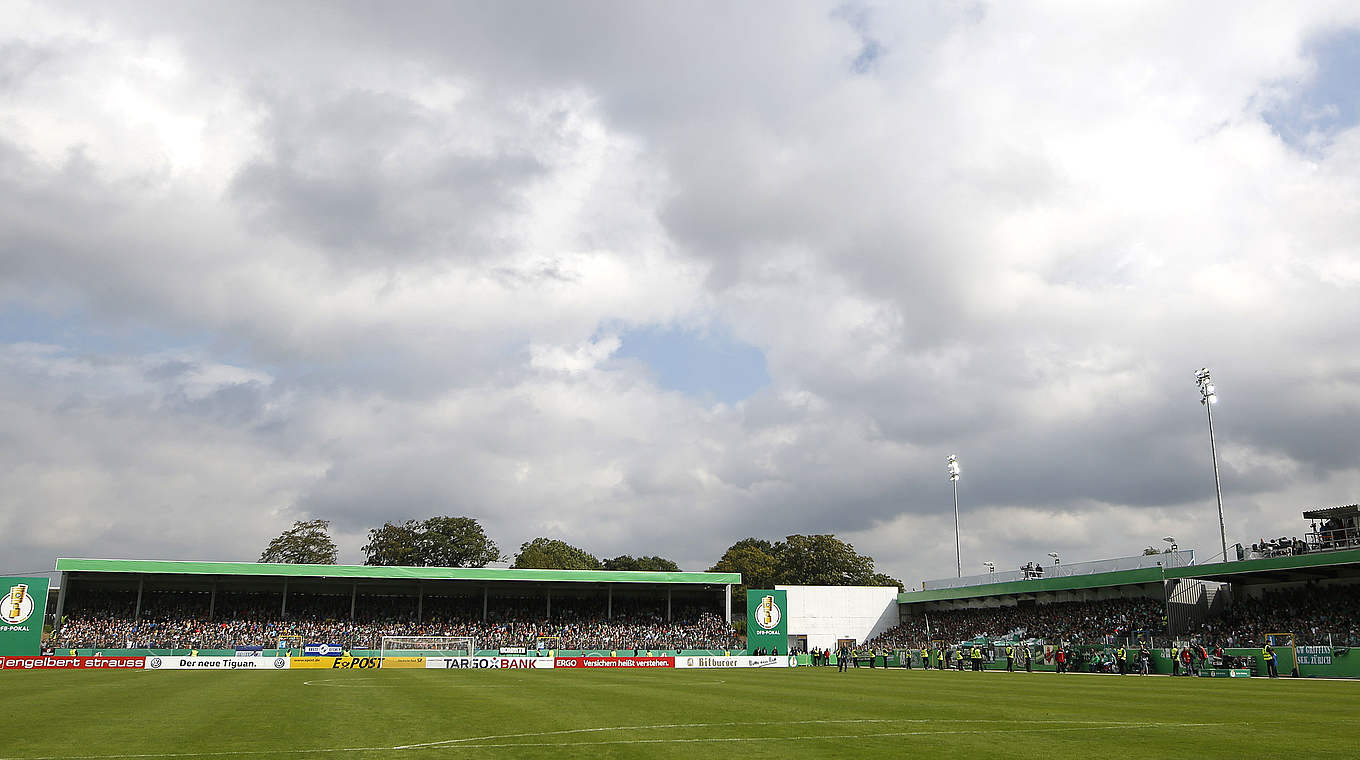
column 181, row 621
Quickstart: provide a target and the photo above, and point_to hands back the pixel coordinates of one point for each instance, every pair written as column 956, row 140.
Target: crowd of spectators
column 1076, row 622
column 1317, row 615
column 183, row 621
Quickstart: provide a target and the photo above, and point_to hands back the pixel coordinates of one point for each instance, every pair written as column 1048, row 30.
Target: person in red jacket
column 1061, row 659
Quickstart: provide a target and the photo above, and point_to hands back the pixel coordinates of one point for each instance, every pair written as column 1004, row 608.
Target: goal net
column 428, row 646
column 288, row 643
column 547, row 643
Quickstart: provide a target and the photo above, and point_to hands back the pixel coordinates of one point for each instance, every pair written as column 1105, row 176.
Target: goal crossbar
column 428, row 646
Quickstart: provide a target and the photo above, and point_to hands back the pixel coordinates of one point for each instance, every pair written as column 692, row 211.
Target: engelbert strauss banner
column 22, row 609
column 767, row 620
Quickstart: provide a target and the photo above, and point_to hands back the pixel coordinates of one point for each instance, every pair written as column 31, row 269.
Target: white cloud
column 386, row 264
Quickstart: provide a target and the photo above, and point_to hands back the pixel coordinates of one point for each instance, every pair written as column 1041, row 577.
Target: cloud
column 386, row 263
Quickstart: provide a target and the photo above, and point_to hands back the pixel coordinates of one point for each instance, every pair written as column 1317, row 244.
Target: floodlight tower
column 1209, row 397
column 952, row 466
column 991, row 566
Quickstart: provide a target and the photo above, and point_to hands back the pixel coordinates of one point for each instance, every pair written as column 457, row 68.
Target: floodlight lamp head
column 952, row 466
column 1170, row 539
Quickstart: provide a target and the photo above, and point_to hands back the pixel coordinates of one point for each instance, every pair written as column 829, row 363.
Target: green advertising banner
column 22, row 609
column 767, row 620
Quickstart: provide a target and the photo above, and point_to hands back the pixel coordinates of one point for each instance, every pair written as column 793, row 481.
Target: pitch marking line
column 464, row 743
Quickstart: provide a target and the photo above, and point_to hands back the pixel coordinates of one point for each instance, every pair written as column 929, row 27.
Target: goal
column 428, row 646
column 547, row 643
column 289, row 642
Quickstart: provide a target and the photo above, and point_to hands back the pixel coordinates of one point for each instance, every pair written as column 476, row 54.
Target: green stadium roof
column 171, row 567
column 1270, row 570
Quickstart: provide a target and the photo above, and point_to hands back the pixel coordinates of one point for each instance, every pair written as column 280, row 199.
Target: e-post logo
column 769, row 613
column 17, row 605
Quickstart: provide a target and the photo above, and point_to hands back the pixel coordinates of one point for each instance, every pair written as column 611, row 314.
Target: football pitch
column 808, row 712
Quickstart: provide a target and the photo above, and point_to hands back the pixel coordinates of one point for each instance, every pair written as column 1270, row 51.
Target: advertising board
column 614, row 662
column 490, row 663
column 72, row 663
column 771, row 661
column 216, row 663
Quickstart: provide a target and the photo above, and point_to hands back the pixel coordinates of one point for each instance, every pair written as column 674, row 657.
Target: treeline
column 813, row 560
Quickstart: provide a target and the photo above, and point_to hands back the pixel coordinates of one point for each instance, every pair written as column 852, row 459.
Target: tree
column 394, row 545
column 551, row 554
column 653, row 564
column 456, row 542
column 308, row 542
column 824, row 560
column 434, row 542
column 1149, row 552
column 818, row 560
column 756, row 559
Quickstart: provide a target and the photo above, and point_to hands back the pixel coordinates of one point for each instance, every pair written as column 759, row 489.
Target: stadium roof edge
column 179, row 567
column 1257, row 570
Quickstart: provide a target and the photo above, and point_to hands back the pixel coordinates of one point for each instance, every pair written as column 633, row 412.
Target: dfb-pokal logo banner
column 22, row 609
column 767, row 620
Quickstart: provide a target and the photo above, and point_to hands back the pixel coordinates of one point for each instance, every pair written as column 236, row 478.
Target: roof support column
column 549, row 603
column 727, row 603
column 420, row 601
column 283, row 609
column 610, row 611
column 212, row 602
column 61, row 606
column 141, row 584
column 353, row 593
column 485, row 593
column 668, row 604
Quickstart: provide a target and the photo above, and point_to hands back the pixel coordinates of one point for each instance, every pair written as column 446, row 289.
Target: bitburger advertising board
column 770, row 661
column 490, row 663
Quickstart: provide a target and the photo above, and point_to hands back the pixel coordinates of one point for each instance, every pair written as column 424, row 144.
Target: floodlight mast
column 952, row 466
column 1209, row 397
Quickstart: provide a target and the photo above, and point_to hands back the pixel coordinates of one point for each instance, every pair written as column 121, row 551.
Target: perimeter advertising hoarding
column 216, row 663
column 772, row 661
column 614, row 662
column 490, row 663
column 767, row 620
column 22, row 609
column 50, row 662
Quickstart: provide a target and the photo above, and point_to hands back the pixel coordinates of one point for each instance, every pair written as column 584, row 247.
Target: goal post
column 1282, row 641
column 287, row 643
column 428, row 646
column 547, row 643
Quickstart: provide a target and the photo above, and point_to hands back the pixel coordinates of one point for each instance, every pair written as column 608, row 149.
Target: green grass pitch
column 808, row 712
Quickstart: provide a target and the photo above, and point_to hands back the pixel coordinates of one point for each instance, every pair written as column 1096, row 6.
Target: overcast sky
column 653, row 277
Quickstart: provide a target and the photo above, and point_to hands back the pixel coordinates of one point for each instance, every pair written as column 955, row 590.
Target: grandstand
column 140, row 605
column 1300, row 592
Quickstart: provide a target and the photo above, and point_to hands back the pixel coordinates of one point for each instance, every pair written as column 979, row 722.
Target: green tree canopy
column 456, row 542
column 433, row 542
column 551, row 554
column 308, row 542
column 653, row 564
column 394, row 545
column 812, row 560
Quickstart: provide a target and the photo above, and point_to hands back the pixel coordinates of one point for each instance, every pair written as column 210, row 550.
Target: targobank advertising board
column 489, row 663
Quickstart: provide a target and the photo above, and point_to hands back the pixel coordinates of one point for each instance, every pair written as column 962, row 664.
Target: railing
column 1333, row 540
column 1179, row 558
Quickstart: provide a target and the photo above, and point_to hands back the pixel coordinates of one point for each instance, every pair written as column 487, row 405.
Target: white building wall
column 826, row 614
